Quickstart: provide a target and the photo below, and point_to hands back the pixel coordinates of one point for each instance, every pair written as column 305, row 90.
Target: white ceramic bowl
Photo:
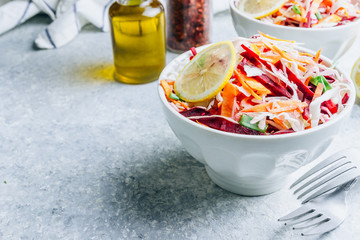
column 245, row 164
column 333, row 41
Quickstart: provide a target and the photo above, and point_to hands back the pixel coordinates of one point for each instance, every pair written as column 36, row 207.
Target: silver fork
column 322, row 214
column 327, row 183
column 327, row 175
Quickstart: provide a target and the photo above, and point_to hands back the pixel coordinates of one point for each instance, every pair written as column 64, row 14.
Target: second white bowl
column 333, row 41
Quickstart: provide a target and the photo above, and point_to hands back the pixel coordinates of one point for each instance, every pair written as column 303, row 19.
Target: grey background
column 84, row 157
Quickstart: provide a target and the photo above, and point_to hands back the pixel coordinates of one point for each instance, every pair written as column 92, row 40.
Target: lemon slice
column 207, row 73
column 260, row 8
column 355, row 76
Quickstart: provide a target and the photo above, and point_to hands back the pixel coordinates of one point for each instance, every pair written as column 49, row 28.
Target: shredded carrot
column 179, row 102
column 301, row 68
column 284, row 55
column 241, row 78
column 307, row 81
column 167, row 89
column 329, row 19
column 292, row 15
column 279, row 23
column 270, row 58
column 229, row 94
column 287, row 106
column 299, row 13
column 258, row 87
column 273, row 38
column 317, row 56
column 283, row 106
column 171, row 83
column 327, row 3
column 274, row 124
column 280, row 122
column 258, row 108
column 255, row 49
column 294, row 2
column 341, row 8
column 315, row 6
column 306, row 54
column 318, row 91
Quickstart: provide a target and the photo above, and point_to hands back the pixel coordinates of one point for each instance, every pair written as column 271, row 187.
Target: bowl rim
column 318, row 128
column 287, row 28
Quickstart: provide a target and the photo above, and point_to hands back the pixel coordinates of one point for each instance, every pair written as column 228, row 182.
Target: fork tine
column 311, row 223
column 304, row 209
column 338, row 172
column 342, row 179
column 326, row 162
column 304, row 218
column 322, row 228
column 327, row 171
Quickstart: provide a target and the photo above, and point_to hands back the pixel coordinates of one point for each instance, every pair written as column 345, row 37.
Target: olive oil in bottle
column 138, row 39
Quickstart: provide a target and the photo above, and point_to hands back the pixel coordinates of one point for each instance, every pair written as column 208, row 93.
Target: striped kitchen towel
column 69, row 16
column 13, row 13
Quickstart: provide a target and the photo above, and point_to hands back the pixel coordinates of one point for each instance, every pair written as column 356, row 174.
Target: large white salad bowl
column 244, row 164
column 334, row 41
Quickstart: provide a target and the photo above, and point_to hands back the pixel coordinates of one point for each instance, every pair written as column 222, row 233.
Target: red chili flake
column 193, row 51
column 331, row 106
column 345, row 98
column 188, row 24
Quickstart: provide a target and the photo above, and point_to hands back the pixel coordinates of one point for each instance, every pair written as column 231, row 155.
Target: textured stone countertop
column 84, row 157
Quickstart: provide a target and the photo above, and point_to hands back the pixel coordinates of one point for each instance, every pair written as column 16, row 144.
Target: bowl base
column 247, row 186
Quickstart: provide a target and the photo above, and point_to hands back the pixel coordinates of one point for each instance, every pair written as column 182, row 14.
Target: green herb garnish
column 174, row 96
column 321, row 79
column 296, row 9
column 245, row 121
column 318, row 15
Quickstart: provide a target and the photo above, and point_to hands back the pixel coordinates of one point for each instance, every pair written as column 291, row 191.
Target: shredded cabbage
column 276, row 87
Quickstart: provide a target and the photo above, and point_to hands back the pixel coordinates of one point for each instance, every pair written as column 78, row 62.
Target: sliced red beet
column 253, row 57
column 330, row 79
column 222, row 124
column 308, row 94
column 195, row 111
column 306, row 112
column 274, row 87
column 308, row 20
column 347, row 18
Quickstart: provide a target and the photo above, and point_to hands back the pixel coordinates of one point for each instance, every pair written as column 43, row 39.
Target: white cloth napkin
column 13, row 13
column 69, row 17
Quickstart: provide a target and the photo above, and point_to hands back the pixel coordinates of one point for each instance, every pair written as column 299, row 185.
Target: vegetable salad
column 315, row 13
column 274, row 89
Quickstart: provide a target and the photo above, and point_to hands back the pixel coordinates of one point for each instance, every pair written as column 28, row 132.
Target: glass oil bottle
column 138, row 39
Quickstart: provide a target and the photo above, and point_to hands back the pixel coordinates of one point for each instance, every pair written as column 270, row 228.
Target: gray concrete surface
column 84, row 157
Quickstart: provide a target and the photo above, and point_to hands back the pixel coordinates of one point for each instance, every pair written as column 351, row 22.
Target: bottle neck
column 130, row 2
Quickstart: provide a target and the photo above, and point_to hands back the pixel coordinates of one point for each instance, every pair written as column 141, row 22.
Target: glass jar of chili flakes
column 188, row 24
